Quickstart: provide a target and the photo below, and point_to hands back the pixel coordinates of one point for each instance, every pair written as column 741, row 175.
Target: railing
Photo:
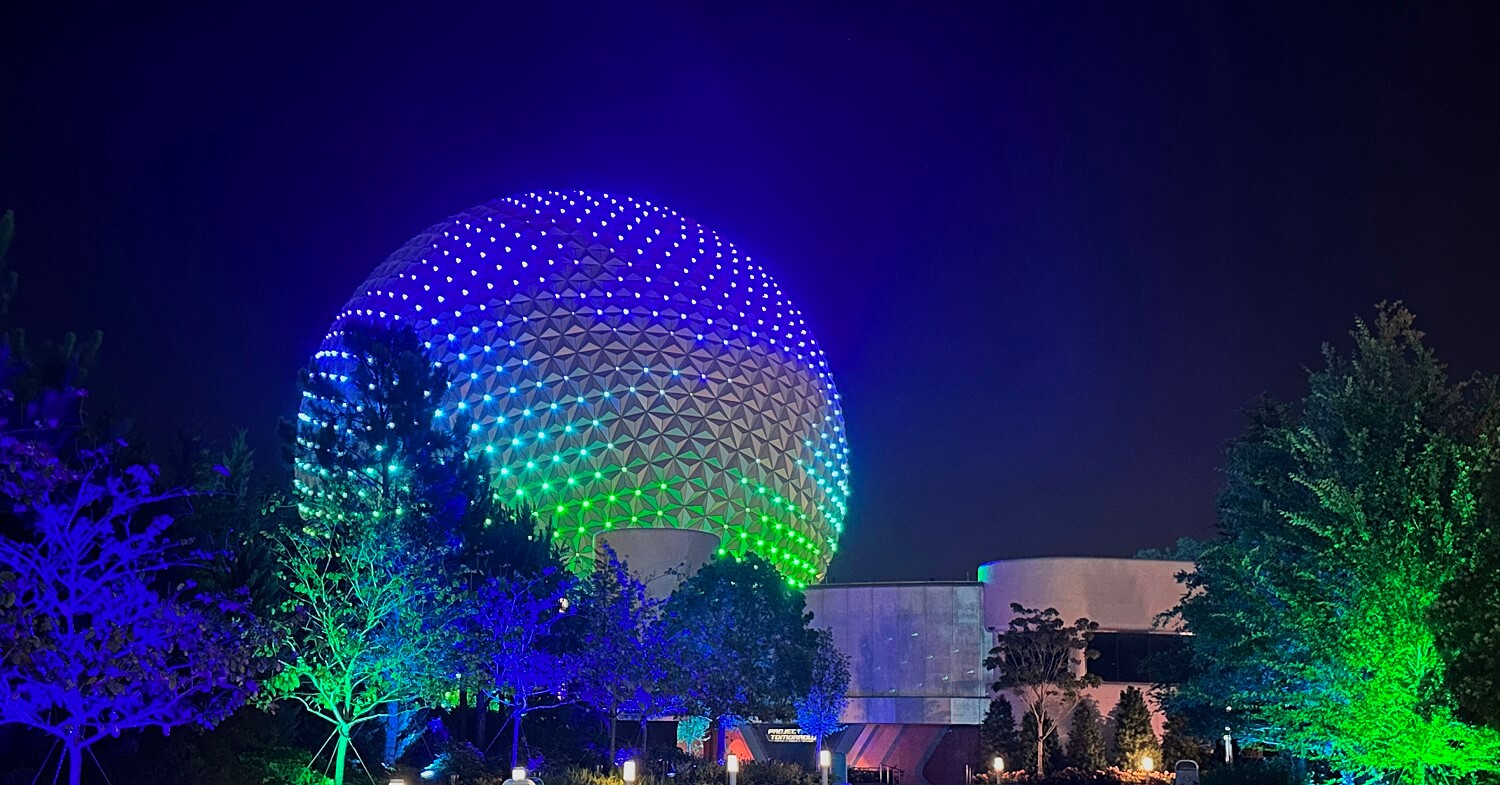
column 890, row 775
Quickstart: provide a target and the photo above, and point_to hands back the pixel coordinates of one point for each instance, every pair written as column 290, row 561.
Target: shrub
column 1271, row 771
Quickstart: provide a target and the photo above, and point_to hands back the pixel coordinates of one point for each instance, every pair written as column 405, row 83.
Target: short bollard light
column 518, row 774
column 732, row 765
column 397, row 781
column 998, row 764
column 1147, row 764
column 627, row 770
column 825, row 762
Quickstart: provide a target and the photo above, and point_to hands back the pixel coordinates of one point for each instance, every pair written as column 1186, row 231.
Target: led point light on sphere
column 622, row 367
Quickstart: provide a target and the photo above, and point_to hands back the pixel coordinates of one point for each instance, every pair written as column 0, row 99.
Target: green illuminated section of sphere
column 623, row 366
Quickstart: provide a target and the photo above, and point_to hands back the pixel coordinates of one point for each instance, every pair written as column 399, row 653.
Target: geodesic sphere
column 623, row 366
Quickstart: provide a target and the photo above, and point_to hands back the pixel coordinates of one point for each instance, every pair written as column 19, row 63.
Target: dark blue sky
column 1050, row 248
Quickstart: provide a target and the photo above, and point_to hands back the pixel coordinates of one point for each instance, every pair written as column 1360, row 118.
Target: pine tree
column 1086, row 737
column 1178, row 743
column 1052, row 751
column 1134, row 736
column 998, row 736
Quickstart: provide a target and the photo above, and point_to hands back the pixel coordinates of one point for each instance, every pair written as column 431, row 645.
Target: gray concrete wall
column 660, row 558
column 1120, row 594
column 916, row 650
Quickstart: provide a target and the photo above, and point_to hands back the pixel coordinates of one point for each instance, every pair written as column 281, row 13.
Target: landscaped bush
column 1261, row 772
column 689, row 772
column 1109, row 776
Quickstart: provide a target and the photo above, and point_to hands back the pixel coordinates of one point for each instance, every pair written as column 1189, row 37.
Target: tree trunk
column 1039, row 741
column 75, row 764
column 340, row 751
column 461, row 716
column 481, row 716
column 818, row 753
column 393, row 725
column 515, row 737
column 614, row 716
column 719, row 750
column 645, row 733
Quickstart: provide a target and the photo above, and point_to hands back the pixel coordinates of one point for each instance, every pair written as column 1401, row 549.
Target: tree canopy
column 1344, row 518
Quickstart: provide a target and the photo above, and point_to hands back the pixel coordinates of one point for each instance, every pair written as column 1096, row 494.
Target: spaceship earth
column 621, row 366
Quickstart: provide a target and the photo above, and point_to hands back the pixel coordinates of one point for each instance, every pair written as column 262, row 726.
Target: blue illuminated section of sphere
column 624, row 367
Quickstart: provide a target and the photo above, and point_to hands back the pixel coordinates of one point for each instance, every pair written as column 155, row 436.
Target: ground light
column 627, row 770
column 998, row 764
column 1147, row 764
column 732, row 765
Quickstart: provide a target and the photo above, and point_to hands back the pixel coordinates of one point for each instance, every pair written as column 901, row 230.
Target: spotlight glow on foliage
column 621, row 366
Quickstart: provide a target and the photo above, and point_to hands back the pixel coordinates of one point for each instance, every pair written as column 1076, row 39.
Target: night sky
column 1051, row 249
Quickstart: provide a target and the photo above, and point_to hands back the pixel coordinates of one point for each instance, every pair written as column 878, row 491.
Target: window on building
column 1135, row 656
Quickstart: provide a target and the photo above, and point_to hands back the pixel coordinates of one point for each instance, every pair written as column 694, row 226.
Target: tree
column 512, row 629
column 1178, row 742
column 819, row 710
column 364, row 625
column 741, row 636
column 624, row 656
column 1086, row 737
column 371, row 445
column 43, row 392
column 1048, row 741
column 1185, row 549
column 94, row 640
column 997, row 734
column 1043, row 661
column 1344, row 518
column 1134, row 739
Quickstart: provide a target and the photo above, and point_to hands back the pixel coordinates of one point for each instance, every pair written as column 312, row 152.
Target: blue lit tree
column 740, row 633
column 95, row 639
column 819, row 710
column 512, row 633
column 627, row 664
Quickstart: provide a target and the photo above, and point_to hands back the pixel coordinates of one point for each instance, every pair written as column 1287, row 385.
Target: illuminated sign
column 788, row 736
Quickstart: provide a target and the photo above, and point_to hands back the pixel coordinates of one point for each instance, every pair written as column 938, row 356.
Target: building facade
column 918, row 686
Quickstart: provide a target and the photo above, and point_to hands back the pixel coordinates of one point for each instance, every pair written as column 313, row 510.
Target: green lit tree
column 1134, row 738
column 741, row 637
column 363, row 626
column 1344, row 519
column 1042, row 660
column 997, row 734
column 369, row 575
column 1086, row 737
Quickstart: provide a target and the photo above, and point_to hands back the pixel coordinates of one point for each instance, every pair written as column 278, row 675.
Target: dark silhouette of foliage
column 1134, row 737
column 998, row 735
column 1039, row 658
column 1048, row 741
column 741, row 635
column 1086, row 737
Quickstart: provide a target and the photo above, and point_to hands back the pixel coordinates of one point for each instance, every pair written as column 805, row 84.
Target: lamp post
column 998, row 765
column 627, row 770
column 732, row 765
column 825, row 762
